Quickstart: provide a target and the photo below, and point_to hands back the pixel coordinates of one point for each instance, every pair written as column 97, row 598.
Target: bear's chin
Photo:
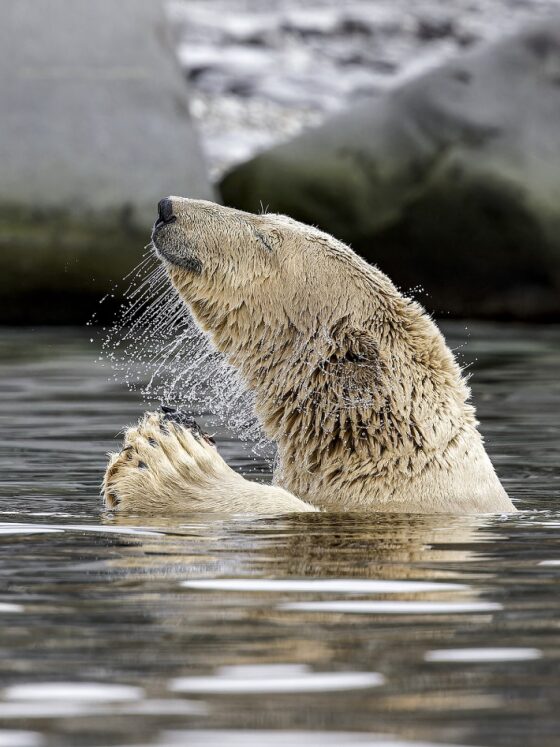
column 188, row 262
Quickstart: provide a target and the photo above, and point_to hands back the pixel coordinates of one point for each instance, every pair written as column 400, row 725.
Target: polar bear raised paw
column 165, row 452
column 169, row 465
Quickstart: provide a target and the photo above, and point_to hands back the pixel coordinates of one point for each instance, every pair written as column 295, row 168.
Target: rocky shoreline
column 428, row 149
column 260, row 72
column 450, row 181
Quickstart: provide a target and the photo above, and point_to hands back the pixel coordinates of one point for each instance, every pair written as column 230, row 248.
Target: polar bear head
column 266, row 268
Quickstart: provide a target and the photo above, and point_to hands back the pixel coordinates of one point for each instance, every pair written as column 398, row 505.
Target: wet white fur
column 352, row 380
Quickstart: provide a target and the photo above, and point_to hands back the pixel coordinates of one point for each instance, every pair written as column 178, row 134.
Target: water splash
column 156, row 348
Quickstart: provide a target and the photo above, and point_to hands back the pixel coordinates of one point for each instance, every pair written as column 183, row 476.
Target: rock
column 450, row 181
column 95, row 130
column 433, row 27
column 313, row 21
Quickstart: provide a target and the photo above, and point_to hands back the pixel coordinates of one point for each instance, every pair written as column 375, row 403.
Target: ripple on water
column 89, row 692
column 262, row 738
column 481, row 655
column 459, row 615
column 9, row 607
column 27, row 529
column 64, row 699
column 393, row 608
column 9, row 528
column 275, row 678
column 12, row 738
column 322, row 586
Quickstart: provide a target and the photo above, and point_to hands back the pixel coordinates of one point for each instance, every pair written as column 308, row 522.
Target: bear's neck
column 413, row 411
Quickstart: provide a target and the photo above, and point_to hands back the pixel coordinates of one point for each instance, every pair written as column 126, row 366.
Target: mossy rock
column 96, row 130
column 55, row 268
column 451, row 182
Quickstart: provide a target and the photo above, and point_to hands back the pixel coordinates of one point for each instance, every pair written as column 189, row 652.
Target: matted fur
column 353, row 381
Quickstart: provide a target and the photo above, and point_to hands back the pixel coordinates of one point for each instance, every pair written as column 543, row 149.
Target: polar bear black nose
column 165, row 210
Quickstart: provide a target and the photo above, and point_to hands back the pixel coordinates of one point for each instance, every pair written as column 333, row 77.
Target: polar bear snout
column 192, row 234
column 171, row 244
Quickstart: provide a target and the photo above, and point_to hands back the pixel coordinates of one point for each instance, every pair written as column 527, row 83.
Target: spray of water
column 155, row 347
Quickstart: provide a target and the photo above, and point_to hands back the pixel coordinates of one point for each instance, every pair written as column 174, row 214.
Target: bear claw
column 174, row 415
column 177, row 416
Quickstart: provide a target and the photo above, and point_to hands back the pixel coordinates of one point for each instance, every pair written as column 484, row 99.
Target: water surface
column 311, row 630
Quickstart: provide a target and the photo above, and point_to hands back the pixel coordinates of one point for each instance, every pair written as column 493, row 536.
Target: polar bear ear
column 270, row 239
column 359, row 347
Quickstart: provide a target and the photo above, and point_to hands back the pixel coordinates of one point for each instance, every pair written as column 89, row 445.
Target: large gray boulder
column 94, row 130
column 451, row 181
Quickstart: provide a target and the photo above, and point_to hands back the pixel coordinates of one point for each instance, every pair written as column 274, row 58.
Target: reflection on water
column 312, row 629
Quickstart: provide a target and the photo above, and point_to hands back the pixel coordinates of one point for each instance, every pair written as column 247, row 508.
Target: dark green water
column 313, row 630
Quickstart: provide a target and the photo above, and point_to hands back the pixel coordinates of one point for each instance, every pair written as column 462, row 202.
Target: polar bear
column 352, row 381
